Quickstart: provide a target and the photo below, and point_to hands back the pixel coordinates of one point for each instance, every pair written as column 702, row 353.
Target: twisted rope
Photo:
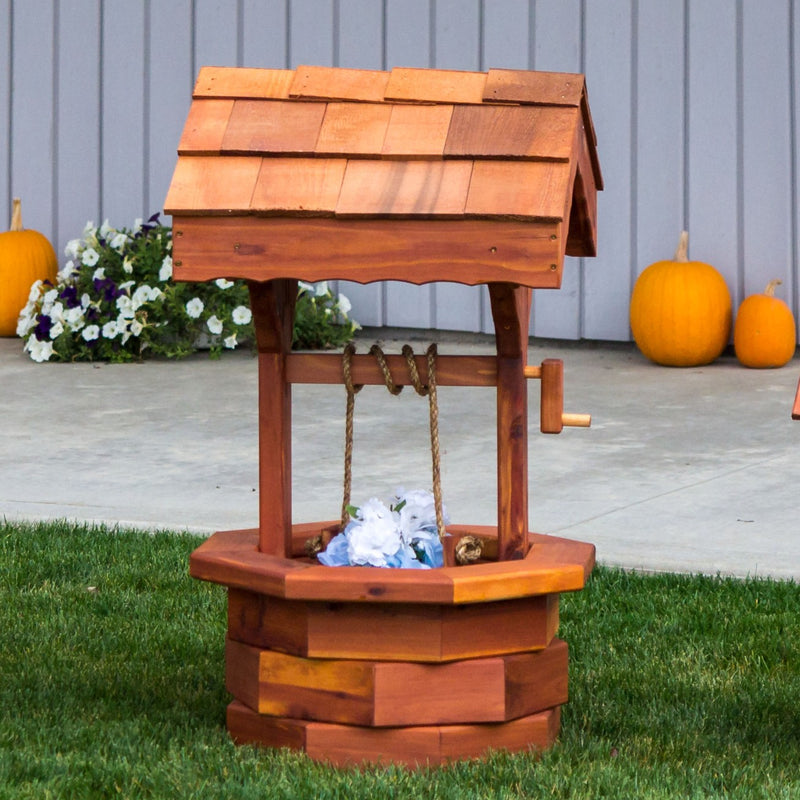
column 422, row 390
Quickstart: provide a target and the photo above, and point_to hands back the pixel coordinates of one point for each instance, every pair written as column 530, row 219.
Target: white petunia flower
column 64, row 274
column 99, row 274
column 344, row 305
column 242, row 315
column 90, row 257
column 40, row 351
column 305, row 287
column 86, row 301
column 165, row 273
column 49, row 298
column 223, row 283
column 110, row 329
column 118, row 241
column 26, row 322
column 214, row 325
column 321, row 289
column 72, row 248
column 127, row 265
column 141, row 295
column 35, row 292
column 73, row 317
column 56, row 329
column 105, row 230
column 126, row 306
column 155, row 293
column 136, row 327
column 90, row 332
column 230, row 341
column 194, row 308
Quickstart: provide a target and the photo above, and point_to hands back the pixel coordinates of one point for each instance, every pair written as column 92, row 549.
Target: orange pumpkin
column 680, row 311
column 764, row 334
column 25, row 257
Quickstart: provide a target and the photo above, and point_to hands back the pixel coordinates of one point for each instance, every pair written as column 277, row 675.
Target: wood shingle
column 447, row 148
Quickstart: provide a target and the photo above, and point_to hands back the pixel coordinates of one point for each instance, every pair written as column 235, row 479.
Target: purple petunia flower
column 42, row 329
column 69, row 294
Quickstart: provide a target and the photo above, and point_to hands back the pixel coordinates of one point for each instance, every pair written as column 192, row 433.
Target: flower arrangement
column 400, row 534
column 115, row 300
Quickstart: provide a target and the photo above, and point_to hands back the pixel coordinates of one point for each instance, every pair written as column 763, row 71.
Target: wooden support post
column 511, row 308
column 272, row 303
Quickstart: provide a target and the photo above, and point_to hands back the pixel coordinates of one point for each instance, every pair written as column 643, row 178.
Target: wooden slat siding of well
column 538, row 88
column 353, row 129
column 262, row 621
column 450, row 370
column 404, row 188
column 213, row 185
column 244, row 83
column 491, row 131
column 273, row 126
column 333, row 83
column 530, row 189
column 417, row 131
column 435, row 86
column 547, row 680
column 205, row 127
column 298, row 185
column 469, row 251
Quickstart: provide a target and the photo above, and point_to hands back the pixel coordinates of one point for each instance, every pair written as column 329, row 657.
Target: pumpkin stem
column 16, row 215
column 770, row 290
column 682, row 253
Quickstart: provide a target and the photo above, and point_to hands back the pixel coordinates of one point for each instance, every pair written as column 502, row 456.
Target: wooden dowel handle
column 532, row 372
column 576, row 420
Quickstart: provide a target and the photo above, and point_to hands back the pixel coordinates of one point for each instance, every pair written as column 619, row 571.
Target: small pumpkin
column 680, row 311
column 25, row 257
column 764, row 334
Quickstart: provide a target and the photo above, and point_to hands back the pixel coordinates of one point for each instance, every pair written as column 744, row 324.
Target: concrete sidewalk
column 692, row 470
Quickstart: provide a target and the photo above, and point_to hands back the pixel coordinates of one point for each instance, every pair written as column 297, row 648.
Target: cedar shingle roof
column 346, row 152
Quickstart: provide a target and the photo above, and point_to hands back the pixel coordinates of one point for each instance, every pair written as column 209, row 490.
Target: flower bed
column 115, row 300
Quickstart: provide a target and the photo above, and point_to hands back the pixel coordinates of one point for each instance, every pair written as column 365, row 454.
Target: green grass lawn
column 112, row 685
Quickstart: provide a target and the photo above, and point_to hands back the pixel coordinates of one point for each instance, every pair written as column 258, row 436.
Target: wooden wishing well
column 413, row 175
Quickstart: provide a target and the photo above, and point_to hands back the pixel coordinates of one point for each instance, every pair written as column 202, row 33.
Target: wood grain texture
column 336, row 83
column 353, row 129
column 511, row 132
column 243, row 82
column 540, row 88
column 205, row 127
column 279, row 126
column 404, row 189
column 298, row 186
column 403, row 631
column 413, row 747
column 435, row 86
column 218, row 185
column 551, row 406
column 416, row 251
column 417, row 131
column 393, row 693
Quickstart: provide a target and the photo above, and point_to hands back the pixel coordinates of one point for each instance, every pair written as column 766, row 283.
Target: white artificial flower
column 165, row 273
column 230, row 341
column 90, row 332
column 214, row 325
column 90, row 257
column 194, row 308
column 56, row 329
column 374, row 537
column 110, row 329
column 40, row 351
column 99, row 274
column 126, row 306
column 119, row 241
column 136, row 327
column 242, row 315
column 73, row 317
column 344, row 305
column 127, row 265
column 223, row 283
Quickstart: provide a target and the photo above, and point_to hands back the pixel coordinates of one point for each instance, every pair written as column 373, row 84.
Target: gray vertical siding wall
column 694, row 101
